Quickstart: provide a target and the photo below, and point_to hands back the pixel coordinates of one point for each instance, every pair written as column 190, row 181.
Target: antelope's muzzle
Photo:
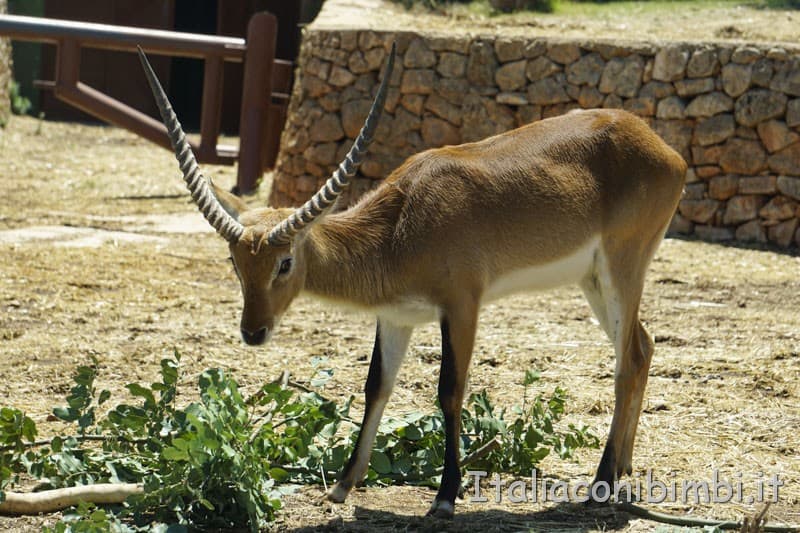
column 256, row 338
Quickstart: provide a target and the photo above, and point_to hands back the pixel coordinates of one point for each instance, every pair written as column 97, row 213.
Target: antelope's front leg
column 458, row 337
column 391, row 343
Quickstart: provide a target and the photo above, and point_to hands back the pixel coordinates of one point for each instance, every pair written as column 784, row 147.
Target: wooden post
column 256, row 99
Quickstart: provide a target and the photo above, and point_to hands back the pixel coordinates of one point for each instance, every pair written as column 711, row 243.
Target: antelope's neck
column 350, row 256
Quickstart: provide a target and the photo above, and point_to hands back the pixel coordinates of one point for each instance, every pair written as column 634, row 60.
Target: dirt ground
column 701, row 20
column 103, row 254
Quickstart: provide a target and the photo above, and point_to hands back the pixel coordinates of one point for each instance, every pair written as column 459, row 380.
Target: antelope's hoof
column 442, row 510
column 337, row 494
column 592, row 503
column 603, row 492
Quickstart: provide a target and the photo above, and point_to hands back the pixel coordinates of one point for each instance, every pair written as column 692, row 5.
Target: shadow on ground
column 570, row 517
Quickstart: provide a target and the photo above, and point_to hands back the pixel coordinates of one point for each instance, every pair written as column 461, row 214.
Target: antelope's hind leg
column 391, row 343
column 614, row 292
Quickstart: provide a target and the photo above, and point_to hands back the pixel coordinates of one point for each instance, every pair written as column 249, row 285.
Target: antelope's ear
column 230, row 202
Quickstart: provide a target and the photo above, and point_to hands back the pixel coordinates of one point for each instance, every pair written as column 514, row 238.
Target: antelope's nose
column 254, row 339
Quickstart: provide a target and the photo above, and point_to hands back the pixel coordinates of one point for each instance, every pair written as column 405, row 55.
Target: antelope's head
column 265, row 243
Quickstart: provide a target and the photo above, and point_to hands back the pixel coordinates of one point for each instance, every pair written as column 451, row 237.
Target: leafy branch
column 224, row 460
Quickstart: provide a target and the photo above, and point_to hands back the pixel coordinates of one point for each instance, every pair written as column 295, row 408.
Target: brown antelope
column 584, row 198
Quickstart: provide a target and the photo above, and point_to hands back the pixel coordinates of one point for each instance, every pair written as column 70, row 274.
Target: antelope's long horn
column 322, row 201
column 227, row 226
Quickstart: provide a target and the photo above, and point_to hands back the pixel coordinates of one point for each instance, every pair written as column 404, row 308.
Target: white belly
column 409, row 312
column 566, row 270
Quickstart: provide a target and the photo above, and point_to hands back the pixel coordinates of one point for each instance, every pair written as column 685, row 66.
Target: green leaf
column 68, row 414
column 539, row 454
column 531, row 377
column 402, row 465
column 86, row 419
column 226, row 448
column 174, row 454
column 105, row 394
column 412, row 433
column 169, row 370
column 98, row 516
column 181, row 443
column 279, row 474
column 141, row 392
column 380, row 462
column 28, row 429
column 85, row 375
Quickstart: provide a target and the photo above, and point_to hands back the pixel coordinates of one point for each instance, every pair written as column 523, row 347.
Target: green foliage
column 410, row 448
column 15, row 429
column 223, row 461
column 212, row 471
column 80, row 405
column 87, row 518
column 19, row 103
column 531, row 435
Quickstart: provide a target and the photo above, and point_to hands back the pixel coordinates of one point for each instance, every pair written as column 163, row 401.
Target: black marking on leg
column 447, row 371
column 371, row 391
column 607, row 467
column 605, row 473
column 372, row 387
column 451, row 475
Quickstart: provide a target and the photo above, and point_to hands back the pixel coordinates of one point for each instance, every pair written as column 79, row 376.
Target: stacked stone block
column 731, row 110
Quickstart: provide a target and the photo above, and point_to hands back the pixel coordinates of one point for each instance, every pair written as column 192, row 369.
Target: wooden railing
column 264, row 96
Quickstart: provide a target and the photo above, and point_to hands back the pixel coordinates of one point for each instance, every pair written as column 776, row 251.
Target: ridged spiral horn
column 322, row 201
column 227, row 226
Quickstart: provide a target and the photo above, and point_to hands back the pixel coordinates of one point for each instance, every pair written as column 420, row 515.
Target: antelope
column 584, row 198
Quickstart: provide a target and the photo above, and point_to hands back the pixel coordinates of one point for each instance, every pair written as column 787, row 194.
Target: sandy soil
column 104, row 255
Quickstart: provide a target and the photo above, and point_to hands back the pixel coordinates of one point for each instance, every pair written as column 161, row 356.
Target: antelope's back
column 545, row 186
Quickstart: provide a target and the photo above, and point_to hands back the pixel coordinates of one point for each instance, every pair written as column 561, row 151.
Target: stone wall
column 731, row 110
column 5, row 71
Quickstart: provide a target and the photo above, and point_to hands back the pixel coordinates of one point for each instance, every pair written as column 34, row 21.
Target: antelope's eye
column 286, row 266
